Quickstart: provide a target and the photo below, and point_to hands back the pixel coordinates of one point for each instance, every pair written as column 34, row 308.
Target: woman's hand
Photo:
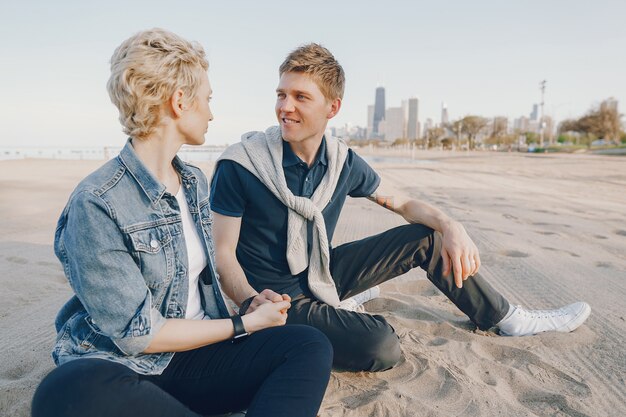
column 266, row 315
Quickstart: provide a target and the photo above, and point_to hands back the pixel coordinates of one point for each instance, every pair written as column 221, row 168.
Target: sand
column 551, row 230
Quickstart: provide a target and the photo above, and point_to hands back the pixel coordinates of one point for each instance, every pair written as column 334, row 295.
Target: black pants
column 281, row 371
column 365, row 342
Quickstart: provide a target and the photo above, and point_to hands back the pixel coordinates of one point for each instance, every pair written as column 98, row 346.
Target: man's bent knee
column 384, row 352
column 375, row 351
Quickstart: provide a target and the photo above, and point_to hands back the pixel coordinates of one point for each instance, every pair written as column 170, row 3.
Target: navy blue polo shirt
column 262, row 246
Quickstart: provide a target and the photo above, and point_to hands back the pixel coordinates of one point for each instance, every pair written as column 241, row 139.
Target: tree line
column 600, row 122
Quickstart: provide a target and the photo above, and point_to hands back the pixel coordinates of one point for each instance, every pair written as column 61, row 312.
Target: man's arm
column 232, row 277
column 458, row 250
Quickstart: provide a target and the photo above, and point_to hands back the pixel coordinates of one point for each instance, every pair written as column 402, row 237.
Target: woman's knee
column 309, row 341
column 74, row 387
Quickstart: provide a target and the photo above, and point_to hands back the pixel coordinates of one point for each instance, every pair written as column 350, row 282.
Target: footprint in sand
column 411, row 366
column 509, row 216
column 440, row 341
column 19, row 371
column 514, row 254
column 600, row 237
column 363, row 398
column 541, row 232
column 601, row 264
column 548, row 404
column 488, row 379
column 541, row 379
column 572, row 254
column 17, row 260
column 620, row 232
column 550, row 224
column 46, row 263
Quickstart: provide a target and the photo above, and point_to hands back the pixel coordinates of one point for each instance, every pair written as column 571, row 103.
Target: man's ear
column 176, row 103
column 335, row 105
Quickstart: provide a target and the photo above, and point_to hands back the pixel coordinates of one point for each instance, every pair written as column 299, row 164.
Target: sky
column 479, row 57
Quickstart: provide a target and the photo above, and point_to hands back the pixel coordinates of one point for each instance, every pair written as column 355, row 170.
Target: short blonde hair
column 315, row 60
column 146, row 69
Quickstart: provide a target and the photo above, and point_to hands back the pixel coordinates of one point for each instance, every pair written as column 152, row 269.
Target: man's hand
column 266, row 296
column 459, row 253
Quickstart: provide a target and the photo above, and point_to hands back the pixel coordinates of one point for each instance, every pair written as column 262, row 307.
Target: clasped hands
column 264, row 297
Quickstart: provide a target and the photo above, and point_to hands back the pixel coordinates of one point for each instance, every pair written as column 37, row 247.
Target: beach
column 551, row 230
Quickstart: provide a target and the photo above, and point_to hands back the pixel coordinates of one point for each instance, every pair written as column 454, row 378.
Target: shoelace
column 541, row 314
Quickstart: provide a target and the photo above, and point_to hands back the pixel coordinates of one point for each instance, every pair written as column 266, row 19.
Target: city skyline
column 485, row 58
column 404, row 123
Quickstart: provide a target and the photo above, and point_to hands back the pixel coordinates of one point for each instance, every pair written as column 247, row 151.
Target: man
column 276, row 198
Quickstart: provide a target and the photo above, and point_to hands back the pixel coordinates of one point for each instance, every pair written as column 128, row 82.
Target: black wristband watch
column 245, row 305
column 240, row 330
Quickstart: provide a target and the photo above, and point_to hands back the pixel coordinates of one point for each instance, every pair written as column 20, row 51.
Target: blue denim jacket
column 120, row 240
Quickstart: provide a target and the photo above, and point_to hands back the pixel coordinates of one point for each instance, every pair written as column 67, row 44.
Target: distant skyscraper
column 521, row 124
column 444, row 114
column 394, row 123
column 413, row 128
column 534, row 115
column 428, row 125
column 370, row 121
column 379, row 108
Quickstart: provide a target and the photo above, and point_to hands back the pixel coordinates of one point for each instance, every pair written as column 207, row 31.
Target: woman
column 135, row 244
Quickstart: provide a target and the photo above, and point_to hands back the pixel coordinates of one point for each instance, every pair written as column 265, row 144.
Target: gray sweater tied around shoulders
column 261, row 153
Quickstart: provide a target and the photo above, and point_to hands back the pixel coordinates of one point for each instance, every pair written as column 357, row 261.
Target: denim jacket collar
column 150, row 185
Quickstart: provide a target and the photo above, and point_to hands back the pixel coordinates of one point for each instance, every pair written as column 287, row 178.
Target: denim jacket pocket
column 206, row 218
column 79, row 337
column 153, row 251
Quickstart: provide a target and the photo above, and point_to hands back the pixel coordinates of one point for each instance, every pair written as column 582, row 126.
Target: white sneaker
column 355, row 303
column 521, row 322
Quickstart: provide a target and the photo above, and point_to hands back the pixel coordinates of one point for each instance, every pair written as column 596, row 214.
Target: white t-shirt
column 196, row 259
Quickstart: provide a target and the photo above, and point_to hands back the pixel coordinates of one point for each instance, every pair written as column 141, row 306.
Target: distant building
column 521, row 124
column 413, row 125
column 444, row 114
column 427, row 125
column 370, row 120
column 379, row 109
column 382, row 128
column 394, row 124
column 534, row 115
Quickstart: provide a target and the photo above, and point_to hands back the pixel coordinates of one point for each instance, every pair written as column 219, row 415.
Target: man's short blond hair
column 146, row 69
column 316, row 61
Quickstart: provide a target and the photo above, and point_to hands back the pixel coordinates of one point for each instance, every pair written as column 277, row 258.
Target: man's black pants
column 365, row 342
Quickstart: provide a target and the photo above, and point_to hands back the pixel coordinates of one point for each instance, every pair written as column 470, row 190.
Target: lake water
column 201, row 154
column 187, row 153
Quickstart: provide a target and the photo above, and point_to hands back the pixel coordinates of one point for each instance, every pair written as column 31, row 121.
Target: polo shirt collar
column 291, row 159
